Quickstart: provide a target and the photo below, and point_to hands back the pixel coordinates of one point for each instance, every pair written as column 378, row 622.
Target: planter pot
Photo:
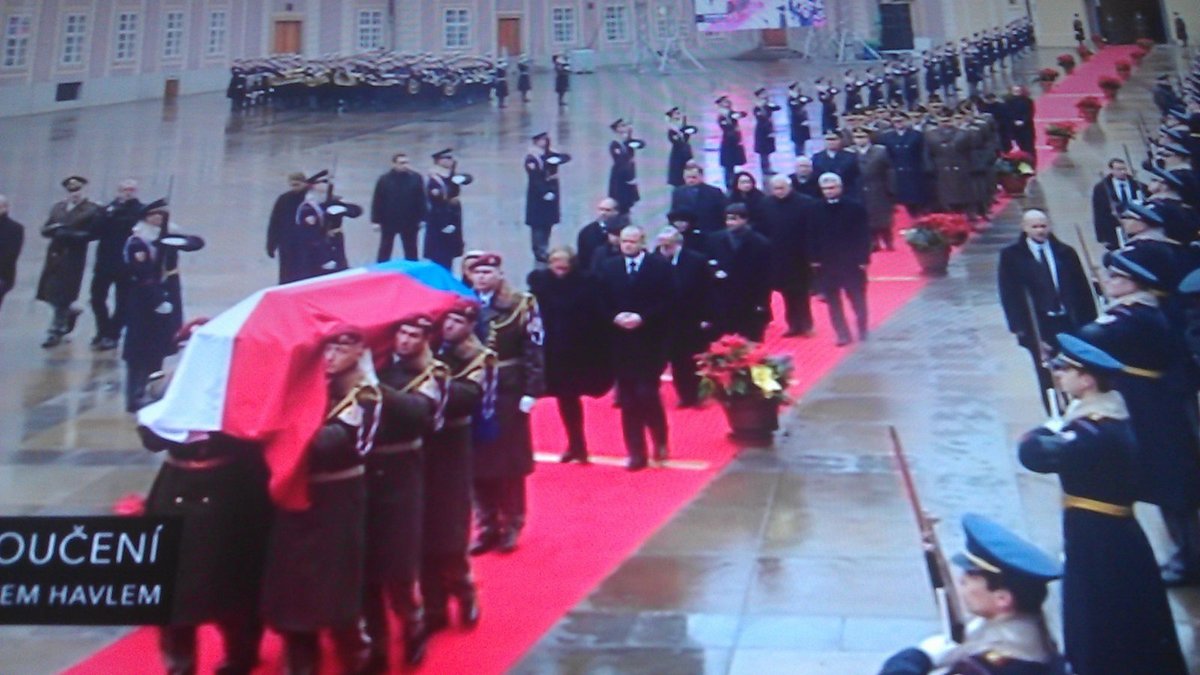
column 1013, row 184
column 751, row 418
column 933, row 261
column 1059, row 143
column 1089, row 114
column 1047, row 85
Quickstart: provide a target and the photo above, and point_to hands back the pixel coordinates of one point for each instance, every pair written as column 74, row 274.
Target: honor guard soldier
column 542, row 195
column 732, row 154
column 1115, row 613
column 1077, row 28
column 69, row 229
column 1003, row 584
column 679, row 135
column 514, row 332
column 764, row 129
column 322, row 247
column 826, row 95
column 524, row 84
column 413, row 385
column 470, row 413
column 315, row 557
column 444, row 221
column 798, row 118
column 622, row 177
column 562, row 77
column 500, row 82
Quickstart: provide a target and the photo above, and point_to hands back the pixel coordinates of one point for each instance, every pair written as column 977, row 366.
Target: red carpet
column 584, row 521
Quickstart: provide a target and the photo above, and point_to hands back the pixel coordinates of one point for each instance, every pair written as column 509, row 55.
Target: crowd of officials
column 408, row 455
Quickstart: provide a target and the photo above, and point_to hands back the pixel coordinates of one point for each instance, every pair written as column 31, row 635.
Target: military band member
column 68, row 227
column 1003, row 584
column 313, row 579
column 470, row 413
column 502, row 463
column 732, row 154
column 622, row 177
column 679, row 135
column 283, row 231
column 798, row 118
column 562, row 78
column 542, row 196
column 413, row 386
column 444, row 221
column 1115, row 613
column 398, row 208
column 764, row 129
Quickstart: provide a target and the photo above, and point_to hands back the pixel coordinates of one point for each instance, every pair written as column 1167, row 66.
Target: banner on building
column 728, row 15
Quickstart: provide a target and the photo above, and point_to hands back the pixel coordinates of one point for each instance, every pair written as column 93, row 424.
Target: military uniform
column 444, row 223
column 764, row 131
column 68, row 227
column 319, row 243
column 732, row 154
column 542, row 197
column 681, row 150
column 798, row 120
column 622, row 177
column 949, row 152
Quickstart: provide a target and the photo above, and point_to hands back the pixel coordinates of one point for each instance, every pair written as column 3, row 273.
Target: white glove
column 164, row 307
column 449, row 229
column 526, row 404
column 336, row 210
column 549, row 196
column 937, row 647
column 329, row 265
column 1054, row 424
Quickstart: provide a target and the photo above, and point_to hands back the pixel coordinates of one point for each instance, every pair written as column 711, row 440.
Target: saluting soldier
column 514, row 332
column 470, row 413
column 68, row 227
column 829, row 118
column 562, row 77
column 524, row 84
column 948, row 148
column 622, row 177
column 413, row 386
column 542, row 209
column 321, row 245
column 732, row 154
column 444, row 222
column 798, row 118
column 679, row 135
column 315, row 557
column 500, row 82
column 764, row 129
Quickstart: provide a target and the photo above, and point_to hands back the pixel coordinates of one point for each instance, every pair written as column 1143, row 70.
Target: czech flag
column 255, row 371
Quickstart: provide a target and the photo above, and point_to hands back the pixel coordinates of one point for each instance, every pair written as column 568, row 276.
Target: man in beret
column 12, row 238
column 1003, row 583
column 69, row 229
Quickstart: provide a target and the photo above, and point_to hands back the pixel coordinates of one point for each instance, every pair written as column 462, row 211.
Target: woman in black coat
column 576, row 347
column 745, row 191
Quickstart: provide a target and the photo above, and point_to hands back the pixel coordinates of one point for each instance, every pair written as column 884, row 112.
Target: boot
column 468, row 610
column 416, row 638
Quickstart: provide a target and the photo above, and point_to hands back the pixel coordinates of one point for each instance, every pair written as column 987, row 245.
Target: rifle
column 1129, row 162
column 945, row 593
column 1094, row 281
column 332, row 177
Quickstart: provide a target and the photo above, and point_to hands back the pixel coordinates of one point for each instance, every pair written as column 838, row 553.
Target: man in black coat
column 398, row 207
column 1040, row 269
column 594, row 236
column 1110, row 196
column 804, row 181
column 1019, row 111
column 704, row 201
column 740, row 261
column 12, row 238
column 833, row 159
column 839, row 246
column 690, row 322
column 694, row 238
column 111, row 228
column 906, row 150
column 785, row 228
column 284, row 235
column 637, row 298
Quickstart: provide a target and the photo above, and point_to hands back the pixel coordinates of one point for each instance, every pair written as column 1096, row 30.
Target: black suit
column 398, row 207
column 705, row 202
column 740, row 265
column 808, row 187
column 839, row 246
column 639, row 354
column 1059, row 309
column 12, row 238
column 784, row 226
column 593, row 237
column 689, row 331
column 1104, row 201
column 844, row 164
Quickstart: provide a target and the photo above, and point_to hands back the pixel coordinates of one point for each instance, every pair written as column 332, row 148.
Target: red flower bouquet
column 937, row 230
column 1047, row 75
column 734, row 367
column 1061, row 129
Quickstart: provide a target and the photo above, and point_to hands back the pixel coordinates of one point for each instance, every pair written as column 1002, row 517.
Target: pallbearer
column 764, row 130
column 679, row 134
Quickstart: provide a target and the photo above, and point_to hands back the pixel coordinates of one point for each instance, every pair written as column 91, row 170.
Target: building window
column 616, row 23
column 74, row 32
column 370, row 29
column 16, row 41
column 562, row 25
column 127, row 24
column 173, row 35
column 457, row 28
column 218, row 30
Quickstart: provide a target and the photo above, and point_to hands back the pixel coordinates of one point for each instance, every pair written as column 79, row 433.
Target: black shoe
column 636, row 464
column 487, row 541
column 415, row 641
column 569, row 456
column 468, row 611
column 52, row 340
column 72, row 317
column 104, row 345
column 508, row 540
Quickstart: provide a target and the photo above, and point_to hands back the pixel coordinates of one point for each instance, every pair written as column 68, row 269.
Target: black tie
column 1045, row 261
column 1122, row 193
column 632, row 267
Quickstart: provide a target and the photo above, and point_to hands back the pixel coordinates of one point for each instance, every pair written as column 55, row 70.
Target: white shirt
column 1038, row 251
column 635, row 261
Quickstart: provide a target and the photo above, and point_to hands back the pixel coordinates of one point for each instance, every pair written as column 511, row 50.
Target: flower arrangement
column 1124, row 68
column 937, row 230
column 734, row 367
column 1047, row 75
column 1109, row 83
column 1083, row 52
column 1089, row 102
column 1099, row 41
column 1145, row 44
column 1015, row 163
column 1061, row 130
column 1066, row 61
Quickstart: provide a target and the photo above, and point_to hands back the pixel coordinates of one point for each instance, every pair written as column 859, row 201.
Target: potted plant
column 1066, row 62
column 1059, row 134
column 1013, row 171
column 1083, row 52
column 1098, row 41
column 1145, row 44
column 1124, row 69
column 931, row 237
column 1089, row 108
column 1046, row 78
column 749, row 383
column 1109, row 85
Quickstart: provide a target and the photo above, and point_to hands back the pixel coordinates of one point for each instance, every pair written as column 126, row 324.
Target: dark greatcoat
column 808, row 187
column 741, row 291
column 562, row 78
column 875, row 172
column 906, row 150
column 398, row 203
column 69, row 231
column 150, row 334
column 798, row 122
column 839, row 239
column 622, row 177
column 1019, row 115
column 542, row 194
column 593, row 237
column 226, row 515
column 641, row 352
column 681, row 152
column 949, row 152
column 785, row 227
column 844, row 164
column 315, row 557
column 704, row 201
column 764, row 130
column 110, row 228
column 753, row 200
column 1115, row 613
column 1019, row 274
column 320, row 245
column 284, row 236
column 1104, row 202
column 524, row 84
column 576, row 342
column 448, row 471
column 444, row 221
column 691, row 305
column 731, row 153
column 515, row 334
column 12, row 238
